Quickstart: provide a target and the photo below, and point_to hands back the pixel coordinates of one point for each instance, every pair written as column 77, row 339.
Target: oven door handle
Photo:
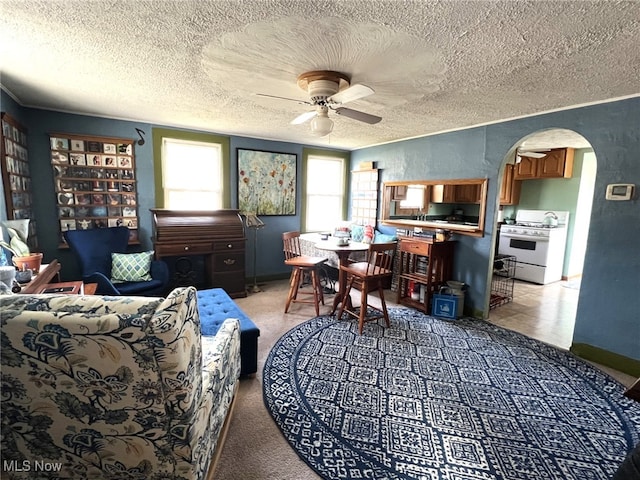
column 531, row 238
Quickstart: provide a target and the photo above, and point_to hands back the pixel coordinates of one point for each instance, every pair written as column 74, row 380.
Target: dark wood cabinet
column 557, row 163
column 463, row 193
column 526, row 169
column 510, row 188
column 217, row 236
column 467, row 193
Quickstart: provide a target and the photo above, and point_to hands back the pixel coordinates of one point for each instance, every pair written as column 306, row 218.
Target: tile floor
column 544, row 312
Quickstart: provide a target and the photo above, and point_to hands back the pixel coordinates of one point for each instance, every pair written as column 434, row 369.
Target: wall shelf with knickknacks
column 95, row 182
column 16, row 176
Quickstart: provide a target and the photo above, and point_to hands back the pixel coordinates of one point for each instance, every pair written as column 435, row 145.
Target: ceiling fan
column 327, row 90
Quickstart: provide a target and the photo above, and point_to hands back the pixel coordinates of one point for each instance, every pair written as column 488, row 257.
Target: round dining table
column 343, row 252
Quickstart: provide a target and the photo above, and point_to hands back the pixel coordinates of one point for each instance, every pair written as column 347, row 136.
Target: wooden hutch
column 426, row 265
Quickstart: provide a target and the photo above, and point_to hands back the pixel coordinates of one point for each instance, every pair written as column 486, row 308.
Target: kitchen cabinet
column 510, row 188
column 557, row 163
column 424, row 265
column 467, row 193
column 398, row 214
column 455, row 193
column 443, row 193
column 400, row 192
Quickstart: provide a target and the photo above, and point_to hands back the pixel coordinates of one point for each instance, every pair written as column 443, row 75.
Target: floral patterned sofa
column 113, row 387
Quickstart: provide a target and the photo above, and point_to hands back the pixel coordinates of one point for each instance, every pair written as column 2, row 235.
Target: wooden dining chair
column 302, row 266
column 368, row 276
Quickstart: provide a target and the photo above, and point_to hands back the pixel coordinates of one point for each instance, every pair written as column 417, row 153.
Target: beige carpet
column 255, row 448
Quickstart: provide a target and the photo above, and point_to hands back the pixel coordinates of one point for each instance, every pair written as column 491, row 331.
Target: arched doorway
column 546, row 311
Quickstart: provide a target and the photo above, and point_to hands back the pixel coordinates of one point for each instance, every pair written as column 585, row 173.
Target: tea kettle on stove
column 550, row 219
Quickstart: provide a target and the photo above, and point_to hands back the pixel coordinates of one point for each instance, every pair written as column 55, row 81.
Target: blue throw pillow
column 384, row 238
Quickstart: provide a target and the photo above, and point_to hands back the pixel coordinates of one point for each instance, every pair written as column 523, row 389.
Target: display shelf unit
column 95, row 183
column 16, row 176
column 502, row 281
column 426, row 265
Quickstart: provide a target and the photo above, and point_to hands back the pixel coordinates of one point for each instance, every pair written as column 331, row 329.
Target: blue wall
column 608, row 310
column 608, row 307
column 41, row 123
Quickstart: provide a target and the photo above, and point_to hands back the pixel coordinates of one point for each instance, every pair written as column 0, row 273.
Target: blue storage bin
column 445, row 306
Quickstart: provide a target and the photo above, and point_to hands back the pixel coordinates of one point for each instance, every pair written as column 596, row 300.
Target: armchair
column 93, row 249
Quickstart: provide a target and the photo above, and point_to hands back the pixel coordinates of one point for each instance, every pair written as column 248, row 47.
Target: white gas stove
column 538, row 241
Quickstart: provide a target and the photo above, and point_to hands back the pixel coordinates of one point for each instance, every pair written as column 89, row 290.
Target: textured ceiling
column 434, row 65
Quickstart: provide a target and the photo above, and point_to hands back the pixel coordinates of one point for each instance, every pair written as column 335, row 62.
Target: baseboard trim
column 575, row 276
column 621, row 363
column 268, row 278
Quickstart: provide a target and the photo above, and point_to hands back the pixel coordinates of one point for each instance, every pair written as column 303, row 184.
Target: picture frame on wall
column 267, row 182
column 77, row 145
column 59, row 143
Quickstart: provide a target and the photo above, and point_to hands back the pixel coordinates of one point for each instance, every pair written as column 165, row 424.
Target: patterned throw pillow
column 131, row 267
column 357, row 232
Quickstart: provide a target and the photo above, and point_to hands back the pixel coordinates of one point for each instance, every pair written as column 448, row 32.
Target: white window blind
column 191, row 175
column 325, row 184
column 415, row 197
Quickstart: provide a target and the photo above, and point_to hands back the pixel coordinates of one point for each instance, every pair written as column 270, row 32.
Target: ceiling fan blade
column 531, row 154
column 305, row 117
column 356, row 115
column 302, row 102
column 354, row 92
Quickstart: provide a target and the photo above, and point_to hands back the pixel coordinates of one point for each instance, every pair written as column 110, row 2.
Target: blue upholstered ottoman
column 214, row 306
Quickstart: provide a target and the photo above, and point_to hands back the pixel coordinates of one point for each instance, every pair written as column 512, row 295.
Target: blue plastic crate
column 445, row 306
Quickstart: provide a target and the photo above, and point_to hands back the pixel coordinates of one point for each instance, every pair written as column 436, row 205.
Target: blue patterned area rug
column 452, row 400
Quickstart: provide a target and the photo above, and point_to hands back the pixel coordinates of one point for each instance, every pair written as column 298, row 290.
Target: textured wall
column 608, row 306
column 43, row 122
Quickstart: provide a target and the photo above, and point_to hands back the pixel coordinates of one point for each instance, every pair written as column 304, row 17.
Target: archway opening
column 545, row 277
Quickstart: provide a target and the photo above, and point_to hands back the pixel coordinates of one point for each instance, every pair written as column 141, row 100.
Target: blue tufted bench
column 214, row 306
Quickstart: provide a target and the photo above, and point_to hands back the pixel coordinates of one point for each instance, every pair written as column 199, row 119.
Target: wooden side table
column 73, row 288
column 46, row 274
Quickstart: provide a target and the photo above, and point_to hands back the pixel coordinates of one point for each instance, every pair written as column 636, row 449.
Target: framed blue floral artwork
column 266, row 182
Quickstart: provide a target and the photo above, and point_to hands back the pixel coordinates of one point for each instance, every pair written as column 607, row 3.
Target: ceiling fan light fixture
column 321, row 124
